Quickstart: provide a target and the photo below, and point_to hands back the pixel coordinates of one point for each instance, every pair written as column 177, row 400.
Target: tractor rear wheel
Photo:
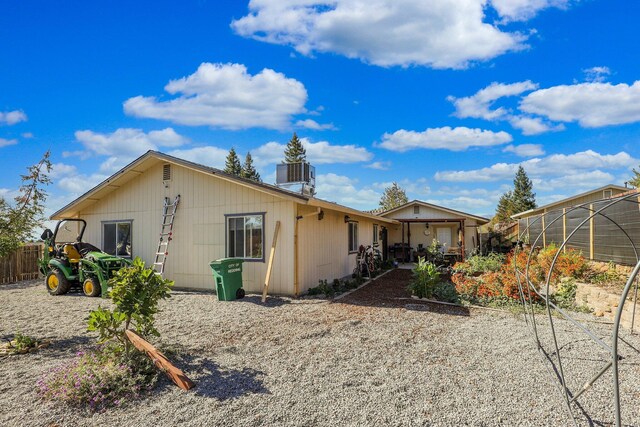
column 91, row 287
column 57, row 283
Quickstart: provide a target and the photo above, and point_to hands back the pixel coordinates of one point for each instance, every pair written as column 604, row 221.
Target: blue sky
column 446, row 97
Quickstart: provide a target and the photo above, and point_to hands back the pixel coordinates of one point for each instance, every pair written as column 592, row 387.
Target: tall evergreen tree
column 504, row 210
column 232, row 163
column 393, row 197
column 520, row 199
column 523, row 197
column 248, row 171
column 295, row 152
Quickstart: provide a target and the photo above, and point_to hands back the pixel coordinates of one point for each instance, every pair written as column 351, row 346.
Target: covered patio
column 420, row 224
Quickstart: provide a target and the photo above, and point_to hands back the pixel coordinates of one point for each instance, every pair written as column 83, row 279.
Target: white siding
column 199, row 227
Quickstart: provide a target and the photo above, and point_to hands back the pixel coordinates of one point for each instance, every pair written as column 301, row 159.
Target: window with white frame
column 116, row 238
column 353, row 237
column 375, row 235
column 245, row 236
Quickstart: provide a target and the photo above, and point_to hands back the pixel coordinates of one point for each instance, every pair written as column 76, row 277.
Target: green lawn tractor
column 69, row 263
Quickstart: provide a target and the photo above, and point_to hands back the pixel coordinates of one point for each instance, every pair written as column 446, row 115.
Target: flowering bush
column 570, row 263
column 480, row 280
column 98, row 379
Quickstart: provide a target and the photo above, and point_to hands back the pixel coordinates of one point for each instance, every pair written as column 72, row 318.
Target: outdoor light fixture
column 320, row 215
column 347, row 218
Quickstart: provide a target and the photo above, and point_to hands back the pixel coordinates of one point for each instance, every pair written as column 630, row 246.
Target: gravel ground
column 359, row 361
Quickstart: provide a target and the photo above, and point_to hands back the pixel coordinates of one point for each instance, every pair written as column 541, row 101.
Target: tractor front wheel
column 91, row 287
column 57, row 283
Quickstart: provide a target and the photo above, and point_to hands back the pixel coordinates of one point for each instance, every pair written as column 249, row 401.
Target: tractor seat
column 72, row 253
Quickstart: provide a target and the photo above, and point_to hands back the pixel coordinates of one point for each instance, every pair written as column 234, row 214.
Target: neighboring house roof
column 479, row 219
column 151, row 158
column 549, row 206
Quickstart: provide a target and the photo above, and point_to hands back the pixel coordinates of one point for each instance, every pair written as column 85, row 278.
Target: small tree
column 523, row 197
column 295, row 152
column 248, row 171
column 136, row 292
column 232, row 163
column 635, row 180
column 18, row 221
column 393, row 197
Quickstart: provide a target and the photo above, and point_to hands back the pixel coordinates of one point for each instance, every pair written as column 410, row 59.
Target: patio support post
column 402, row 241
column 409, row 239
column 462, row 241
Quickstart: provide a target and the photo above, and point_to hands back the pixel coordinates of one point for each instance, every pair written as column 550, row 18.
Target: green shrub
column 425, row 279
column 479, row 264
column 446, row 291
column 136, row 292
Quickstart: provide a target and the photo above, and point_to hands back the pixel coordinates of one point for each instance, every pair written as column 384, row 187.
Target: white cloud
column 342, row 189
column 208, row 156
column 589, row 104
column 533, row 125
column 128, row 141
column 521, row 10
column 80, row 183
column 312, row 124
column 321, row 152
column 12, row 117
column 7, row 142
column 437, row 33
column 59, row 170
column 585, row 180
column 226, row 96
column 27, row 135
column 478, row 105
column 596, row 74
column 382, row 166
column 525, row 150
column 556, row 165
column 454, row 139
column 124, row 144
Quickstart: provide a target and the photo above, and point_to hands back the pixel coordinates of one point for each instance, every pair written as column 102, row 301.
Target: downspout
column 296, row 285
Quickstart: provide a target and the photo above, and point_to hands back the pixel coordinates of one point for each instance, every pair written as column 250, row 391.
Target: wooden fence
column 21, row 265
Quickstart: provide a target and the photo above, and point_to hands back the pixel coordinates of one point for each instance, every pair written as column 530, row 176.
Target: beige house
column 420, row 223
column 220, row 216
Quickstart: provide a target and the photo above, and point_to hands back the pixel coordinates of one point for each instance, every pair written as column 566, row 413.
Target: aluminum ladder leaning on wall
column 166, row 233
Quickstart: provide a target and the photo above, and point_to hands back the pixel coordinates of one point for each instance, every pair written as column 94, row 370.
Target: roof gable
column 152, row 158
column 447, row 213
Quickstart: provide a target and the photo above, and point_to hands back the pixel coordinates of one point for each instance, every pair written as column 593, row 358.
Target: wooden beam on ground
column 270, row 264
column 161, row 362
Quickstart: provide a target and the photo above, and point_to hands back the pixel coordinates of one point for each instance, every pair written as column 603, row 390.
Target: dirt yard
column 374, row 357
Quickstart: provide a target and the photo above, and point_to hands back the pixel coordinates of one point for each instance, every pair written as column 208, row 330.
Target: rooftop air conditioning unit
column 289, row 174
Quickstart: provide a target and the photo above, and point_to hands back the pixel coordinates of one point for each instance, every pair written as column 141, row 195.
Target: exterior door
column 444, row 237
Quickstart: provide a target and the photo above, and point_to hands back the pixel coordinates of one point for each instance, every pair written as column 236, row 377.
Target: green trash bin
column 227, row 273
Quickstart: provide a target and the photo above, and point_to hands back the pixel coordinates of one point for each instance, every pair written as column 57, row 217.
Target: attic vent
column 607, row 194
column 416, row 209
column 166, row 172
